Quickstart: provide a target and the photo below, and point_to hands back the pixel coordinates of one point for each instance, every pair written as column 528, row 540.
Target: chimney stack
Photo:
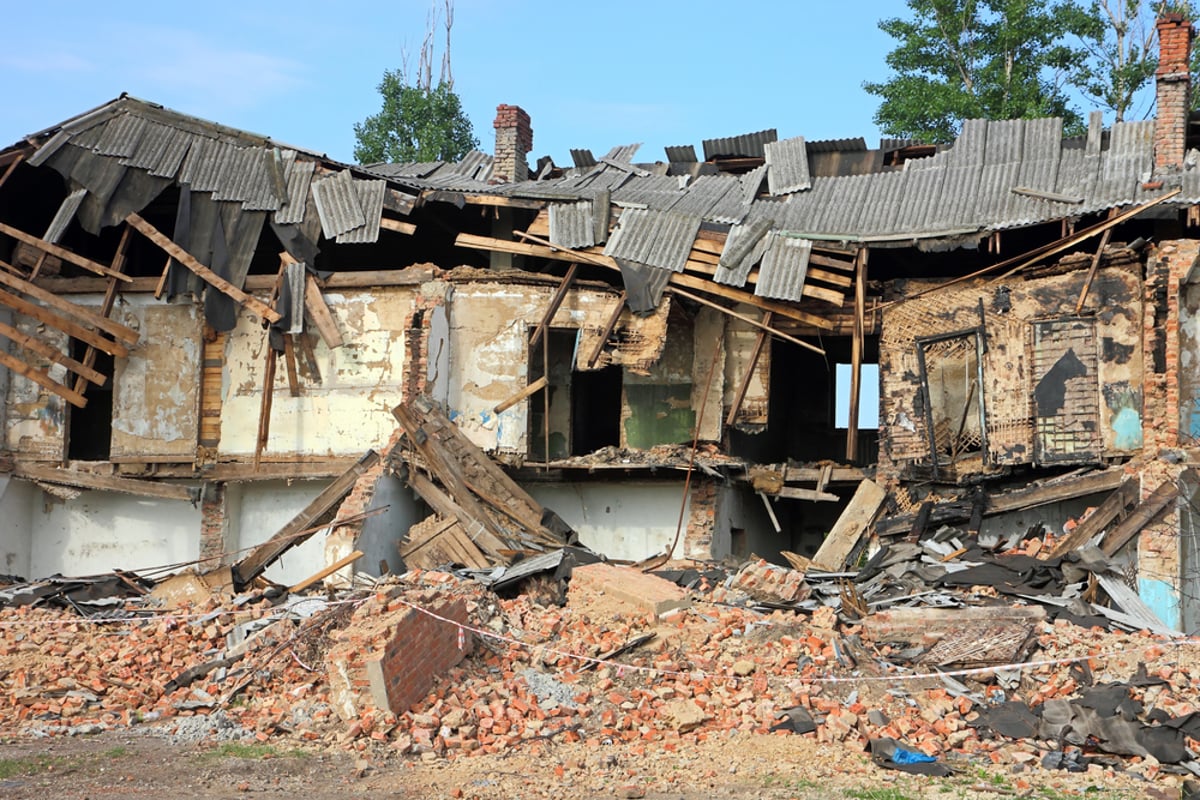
column 514, row 138
column 1173, row 84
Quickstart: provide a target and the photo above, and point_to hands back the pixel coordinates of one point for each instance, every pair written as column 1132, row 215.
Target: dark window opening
column 89, row 436
column 953, row 387
column 581, row 411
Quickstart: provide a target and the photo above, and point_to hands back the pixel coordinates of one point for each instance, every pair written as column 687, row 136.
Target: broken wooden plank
column 108, row 483
column 42, row 379
column 798, row 562
column 41, row 348
column 266, row 400
column 322, row 317
column 751, row 365
column 201, row 271
column 437, row 541
column 472, row 241
column 560, row 294
column 110, row 297
column 444, row 505
column 397, row 226
column 289, row 360
column 61, row 323
column 917, row 626
column 1099, row 519
column 1091, row 275
column 326, row 572
column 1056, row 491
column 843, row 540
column 301, row 526
column 62, row 252
column 795, row 493
column 730, row 312
column 81, row 313
column 609, row 326
column 1140, row 517
column 528, row 391
column 856, row 354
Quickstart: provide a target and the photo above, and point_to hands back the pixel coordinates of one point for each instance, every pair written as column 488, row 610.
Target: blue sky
column 590, row 75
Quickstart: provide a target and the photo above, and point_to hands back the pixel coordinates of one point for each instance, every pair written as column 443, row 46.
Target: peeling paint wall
column 1008, row 314
column 156, row 390
column 349, row 410
column 658, row 407
column 1189, row 363
column 708, row 372
column 740, row 338
column 99, row 531
column 627, row 521
column 36, row 419
column 489, row 335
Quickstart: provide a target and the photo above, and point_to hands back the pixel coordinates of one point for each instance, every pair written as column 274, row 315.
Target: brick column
column 1173, row 91
column 514, row 138
column 702, row 518
column 215, row 533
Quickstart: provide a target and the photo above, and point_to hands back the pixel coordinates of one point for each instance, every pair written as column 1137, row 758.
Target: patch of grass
column 877, row 794
column 116, row 752
column 30, row 765
column 254, row 751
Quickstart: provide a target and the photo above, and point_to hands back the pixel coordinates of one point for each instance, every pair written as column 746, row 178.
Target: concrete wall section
column 628, row 520
column 98, row 532
column 262, row 508
column 382, row 533
column 349, row 409
column 16, row 535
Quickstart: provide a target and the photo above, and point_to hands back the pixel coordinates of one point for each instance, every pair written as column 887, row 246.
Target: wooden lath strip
column 472, row 241
column 59, row 322
column 84, row 315
column 560, row 294
column 211, row 377
column 62, row 252
column 322, row 317
column 110, row 297
column 35, row 345
column 204, row 273
column 42, row 379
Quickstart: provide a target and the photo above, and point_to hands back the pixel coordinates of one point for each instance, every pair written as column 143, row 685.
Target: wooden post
column 1087, row 284
column 268, row 394
column 556, row 302
column 608, row 329
column 745, row 384
column 110, row 296
column 856, row 353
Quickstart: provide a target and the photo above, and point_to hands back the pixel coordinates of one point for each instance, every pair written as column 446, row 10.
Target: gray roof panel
column 370, row 200
column 572, row 225
column 337, row 204
column 66, row 213
column 657, row 238
column 784, row 268
column 787, row 166
column 750, row 145
column 299, row 177
column 682, row 154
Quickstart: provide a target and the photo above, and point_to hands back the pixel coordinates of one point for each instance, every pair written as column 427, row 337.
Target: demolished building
column 673, row 356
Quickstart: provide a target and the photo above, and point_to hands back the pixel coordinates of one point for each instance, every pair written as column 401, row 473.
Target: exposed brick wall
column 1173, row 91
column 214, row 526
column 702, row 519
column 389, row 655
column 514, row 138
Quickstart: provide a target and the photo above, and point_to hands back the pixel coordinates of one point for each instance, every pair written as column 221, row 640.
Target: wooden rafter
column 61, row 252
column 201, row 271
column 61, row 323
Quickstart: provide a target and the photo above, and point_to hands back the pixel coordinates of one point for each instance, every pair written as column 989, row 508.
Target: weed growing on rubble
column 877, row 794
column 116, row 752
column 254, row 751
column 12, row 767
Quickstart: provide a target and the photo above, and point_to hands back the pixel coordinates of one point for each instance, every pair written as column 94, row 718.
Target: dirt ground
column 135, row 764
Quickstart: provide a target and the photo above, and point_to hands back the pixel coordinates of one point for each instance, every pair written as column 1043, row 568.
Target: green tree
column 993, row 59
column 419, row 121
column 1119, row 37
column 415, row 124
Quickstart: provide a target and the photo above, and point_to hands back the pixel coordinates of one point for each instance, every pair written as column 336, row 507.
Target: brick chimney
column 514, row 138
column 1174, row 85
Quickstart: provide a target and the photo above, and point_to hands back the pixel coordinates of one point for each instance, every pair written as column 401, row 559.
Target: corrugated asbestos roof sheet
column 747, row 145
column 370, row 201
column 572, row 225
column 787, row 166
column 657, row 238
column 684, row 154
column 784, row 268
column 66, row 213
column 337, row 204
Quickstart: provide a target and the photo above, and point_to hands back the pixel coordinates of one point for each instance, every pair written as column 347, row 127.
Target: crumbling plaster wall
column 489, row 329
column 1168, row 331
column 36, row 419
column 1009, row 311
column 345, row 413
